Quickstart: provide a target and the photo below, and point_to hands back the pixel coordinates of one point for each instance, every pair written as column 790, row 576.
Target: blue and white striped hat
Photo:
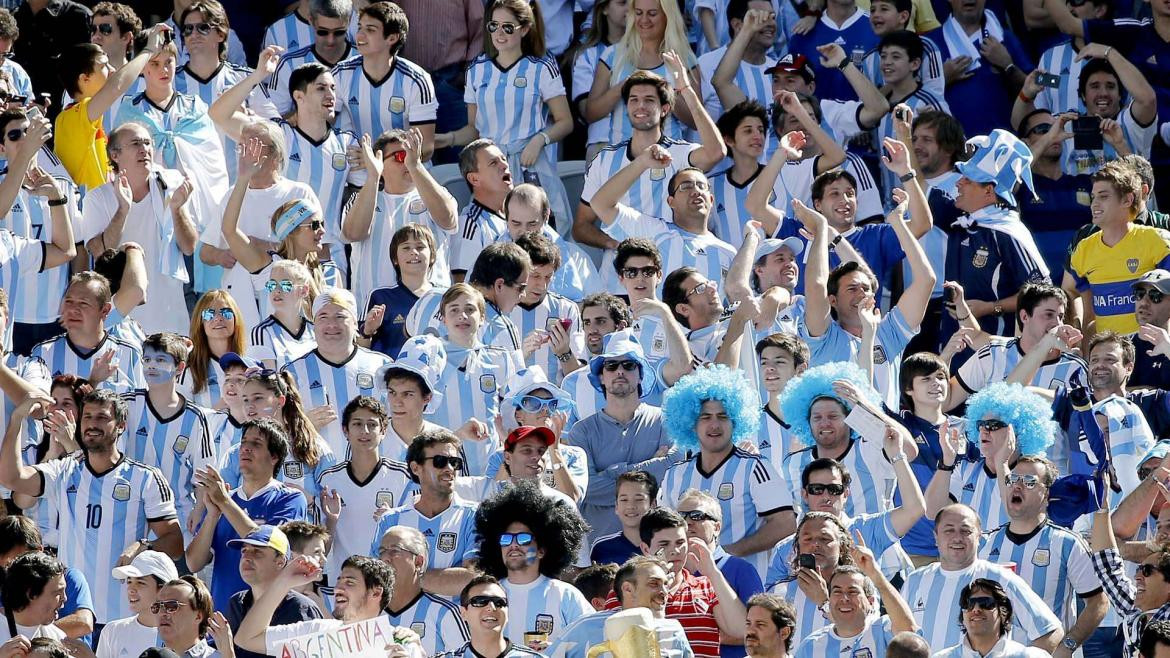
column 1000, row 158
column 422, row 355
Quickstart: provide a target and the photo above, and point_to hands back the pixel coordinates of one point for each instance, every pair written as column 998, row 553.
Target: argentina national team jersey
column 510, row 651
column 836, row 344
column 747, row 490
column 921, row 100
column 1052, row 560
column 1138, row 138
column 437, row 622
column 751, row 79
column 21, row 263
column 322, row 165
column 272, row 341
column 872, row 641
column 212, row 391
column 450, row 534
column 550, row 310
column 930, row 74
column 100, row 515
column 872, row 488
column 209, row 90
column 290, row 32
column 177, row 446
column 276, row 88
column 471, row 386
column 877, row 530
column 1061, row 60
column 511, row 103
column 933, row 596
column 809, row 617
column 543, row 606
column 293, row 473
column 323, row 382
column 729, row 215
column 998, row 358
column 478, row 227
column 404, row 98
column 775, row 439
column 976, row 487
column 679, row 248
column 62, row 356
column 386, row 486
column 584, row 66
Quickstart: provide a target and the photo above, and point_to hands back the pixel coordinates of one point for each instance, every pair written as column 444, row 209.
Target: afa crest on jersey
column 364, row 380
column 121, row 491
column 446, row 542
column 726, row 491
column 181, row 444
column 544, row 624
column 397, row 104
column 487, row 383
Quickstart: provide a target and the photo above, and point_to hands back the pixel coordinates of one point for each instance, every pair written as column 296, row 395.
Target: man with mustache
column 770, row 623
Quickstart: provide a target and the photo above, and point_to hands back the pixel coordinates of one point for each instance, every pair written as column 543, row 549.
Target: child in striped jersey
column 549, row 323
column 782, row 357
column 286, row 334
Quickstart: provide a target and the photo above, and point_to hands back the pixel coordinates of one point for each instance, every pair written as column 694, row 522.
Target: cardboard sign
column 360, row 639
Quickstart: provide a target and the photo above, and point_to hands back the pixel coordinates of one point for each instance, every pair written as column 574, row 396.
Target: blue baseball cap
column 232, row 359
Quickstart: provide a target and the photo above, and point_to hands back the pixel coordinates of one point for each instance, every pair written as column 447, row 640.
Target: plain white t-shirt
column 126, row 638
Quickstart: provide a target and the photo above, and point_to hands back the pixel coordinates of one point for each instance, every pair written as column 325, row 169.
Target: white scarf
column 959, row 43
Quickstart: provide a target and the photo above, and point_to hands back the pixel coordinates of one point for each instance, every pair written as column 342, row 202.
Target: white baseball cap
column 148, row 563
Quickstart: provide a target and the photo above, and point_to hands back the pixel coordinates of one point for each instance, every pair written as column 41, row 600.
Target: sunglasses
column 16, row 134
column 612, row 366
column 981, row 602
column 260, row 373
column 1156, row 296
column 990, row 425
column 535, row 405
column 817, row 489
column 697, row 515
column 482, row 601
column 1039, row 129
column 208, row 314
column 284, row 284
column 1029, row 481
column 520, row 538
column 397, row 156
column 508, row 28
column 313, row 225
column 700, row 289
column 645, row 272
column 330, row 33
column 105, row 28
column 192, row 28
column 171, row 606
column 5, row 97
column 443, row 461
column 1147, row 570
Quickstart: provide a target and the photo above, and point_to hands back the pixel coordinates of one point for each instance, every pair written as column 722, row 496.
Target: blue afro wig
column 798, row 396
column 681, row 404
column 1029, row 415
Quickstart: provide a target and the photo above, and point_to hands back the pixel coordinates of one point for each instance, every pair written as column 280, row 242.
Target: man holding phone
column 549, row 323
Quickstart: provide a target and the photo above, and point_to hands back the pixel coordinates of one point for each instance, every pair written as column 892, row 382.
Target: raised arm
column 723, row 79
column 816, row 269
column 134, row 284
column 226, row 111
column 359, row 217
column 1141, row 93
column 1061, row 337
column 832, row 155
column 249, row 253
column 1064, row 19
column 61, row 250
column 605, row 201
column 759, row 194
column 901, row 617
column 441, row 205
column 680, row 361
column 874, row 105
column 712, row 150
column 119, row 81
column 730, row 615
column 300, row 570
column 938, row 492
column 897, row 160
column 917, row 295
column 14, row 474
column 185, row 232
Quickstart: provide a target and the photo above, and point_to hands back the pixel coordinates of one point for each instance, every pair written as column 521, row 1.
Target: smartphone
column 1087, row 134
column 34, row 112
column 1050, row 80
column 949, row 295
column 168, row 36
column 806, row 561
column 900, row 113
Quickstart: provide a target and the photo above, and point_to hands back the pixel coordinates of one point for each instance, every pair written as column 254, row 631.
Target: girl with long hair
column 512, row 89
column 653, row 27
column 287, row 333
column 606, row 29
column 217, row 328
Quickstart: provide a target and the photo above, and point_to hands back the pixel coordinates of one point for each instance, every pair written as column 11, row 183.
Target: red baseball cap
column 524, row 431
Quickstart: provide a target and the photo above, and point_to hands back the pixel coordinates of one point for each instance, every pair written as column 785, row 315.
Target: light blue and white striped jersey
column 974, row 486
column 933, row 596
column 589, row 631
column 277, row 86
column 930, row 74
column 746, row 487
column 995, row 361
column 30, row 218
column 750, row 79
column 62, row 356
column 870, row 642
column 393, row 445
column 729, row 214
column 1139, row 139
column 370, row 266
column 386, row 486
column 437, row 622
column 809, row 618
column 550, row 310
column 618, row 127
column 836, row 344
column 293, row 473
column 872, row 488
column 271, row 340
column 100, row 515
column 1054, row 561
column 919, row 101
column 211, row 394
column 775, row 441
column 225, row 432
column 705, row 342
column 512, row 651
column 177, row 446
column 290, row 32
column 323, row 166
column 1061, row 60
column 34, row 372
column 472, row 384
column 322, row 382
column 543, row 606
column 679, row 248
column 424, row 315
column 876, row 529
column 450, row 534
column 584, row 68
column 576, row 465
column 21, row 262
column 479, row 226
column 511, row 104
column 404, row 98
column 1130, row 439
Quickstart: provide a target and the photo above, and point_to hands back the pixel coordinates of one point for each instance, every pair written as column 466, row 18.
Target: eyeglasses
column 1147, row 570
column 818, row 489
column 1156, row 296
column 700, row 289
column 482, row 601
column 394, row 551
column 397, row 156
column 520, row 538
column 443, row 461
column 697, row 515
column 170, row 606
column 192, row 28
column 981, row 602
column 612, row 366
column 330, row 33
column 535, row 405
column 16, row 134
column 313, row 225
column 1029, row 481
column 508, row 28
column 687, row 186
column 645, row 272
column 105, row 28
column 1039, row 129
column 991, row 425
column 208, row 314
column 284, row 284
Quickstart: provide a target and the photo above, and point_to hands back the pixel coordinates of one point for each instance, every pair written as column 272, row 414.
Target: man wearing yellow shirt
column 81, row 137
column 1105, row 265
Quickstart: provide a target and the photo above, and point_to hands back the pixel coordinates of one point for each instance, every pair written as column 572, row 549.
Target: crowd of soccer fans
column 813, row 328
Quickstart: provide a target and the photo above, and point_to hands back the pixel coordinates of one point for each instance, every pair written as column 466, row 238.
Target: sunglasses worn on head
column 1156, row 296
column 105, row 28
column 612, row 366
column 508, row 28
column 645, row 272
column 981, row 602
column 443, row 461
column 482, row 601
column 208, row 314
column 285, row 285
column 818, row 489
column 990, row 425
column 1029, row 481
column 535, row 405
column 697, row 515
column 520, row 538
column 192, row 28
column 170, row 606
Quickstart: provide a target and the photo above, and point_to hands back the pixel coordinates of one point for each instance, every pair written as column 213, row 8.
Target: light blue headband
column 290, row 219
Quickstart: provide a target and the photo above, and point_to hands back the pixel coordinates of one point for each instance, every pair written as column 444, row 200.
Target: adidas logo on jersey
column 315, row 384
column 72, row 489
column 970, row 486
column 142, row 431
column 16, row 207
column 295, row 157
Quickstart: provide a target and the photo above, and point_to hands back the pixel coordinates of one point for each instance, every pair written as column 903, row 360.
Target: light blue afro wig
column 1029, row 415
column 681, row 404
column 798, row 396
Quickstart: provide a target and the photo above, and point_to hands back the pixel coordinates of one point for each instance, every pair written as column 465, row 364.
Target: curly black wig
column 557, row 527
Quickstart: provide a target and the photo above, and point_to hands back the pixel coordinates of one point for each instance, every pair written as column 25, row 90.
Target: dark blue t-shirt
column 390, row 337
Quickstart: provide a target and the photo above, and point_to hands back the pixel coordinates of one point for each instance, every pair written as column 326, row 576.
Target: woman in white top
column 607, row 28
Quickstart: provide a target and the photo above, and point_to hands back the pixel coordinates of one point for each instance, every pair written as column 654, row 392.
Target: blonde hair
column 200, row 348
column 300, row 275
column 626, row 50
column 286, row 250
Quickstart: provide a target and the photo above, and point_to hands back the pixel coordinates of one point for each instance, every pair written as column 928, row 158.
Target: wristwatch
column 844, row 64
column 998, row 309
column 943, row 467
column 908, row 176
column 1069, row 643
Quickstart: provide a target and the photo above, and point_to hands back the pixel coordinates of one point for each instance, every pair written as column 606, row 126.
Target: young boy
column 144, row 577
column 636, row 493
